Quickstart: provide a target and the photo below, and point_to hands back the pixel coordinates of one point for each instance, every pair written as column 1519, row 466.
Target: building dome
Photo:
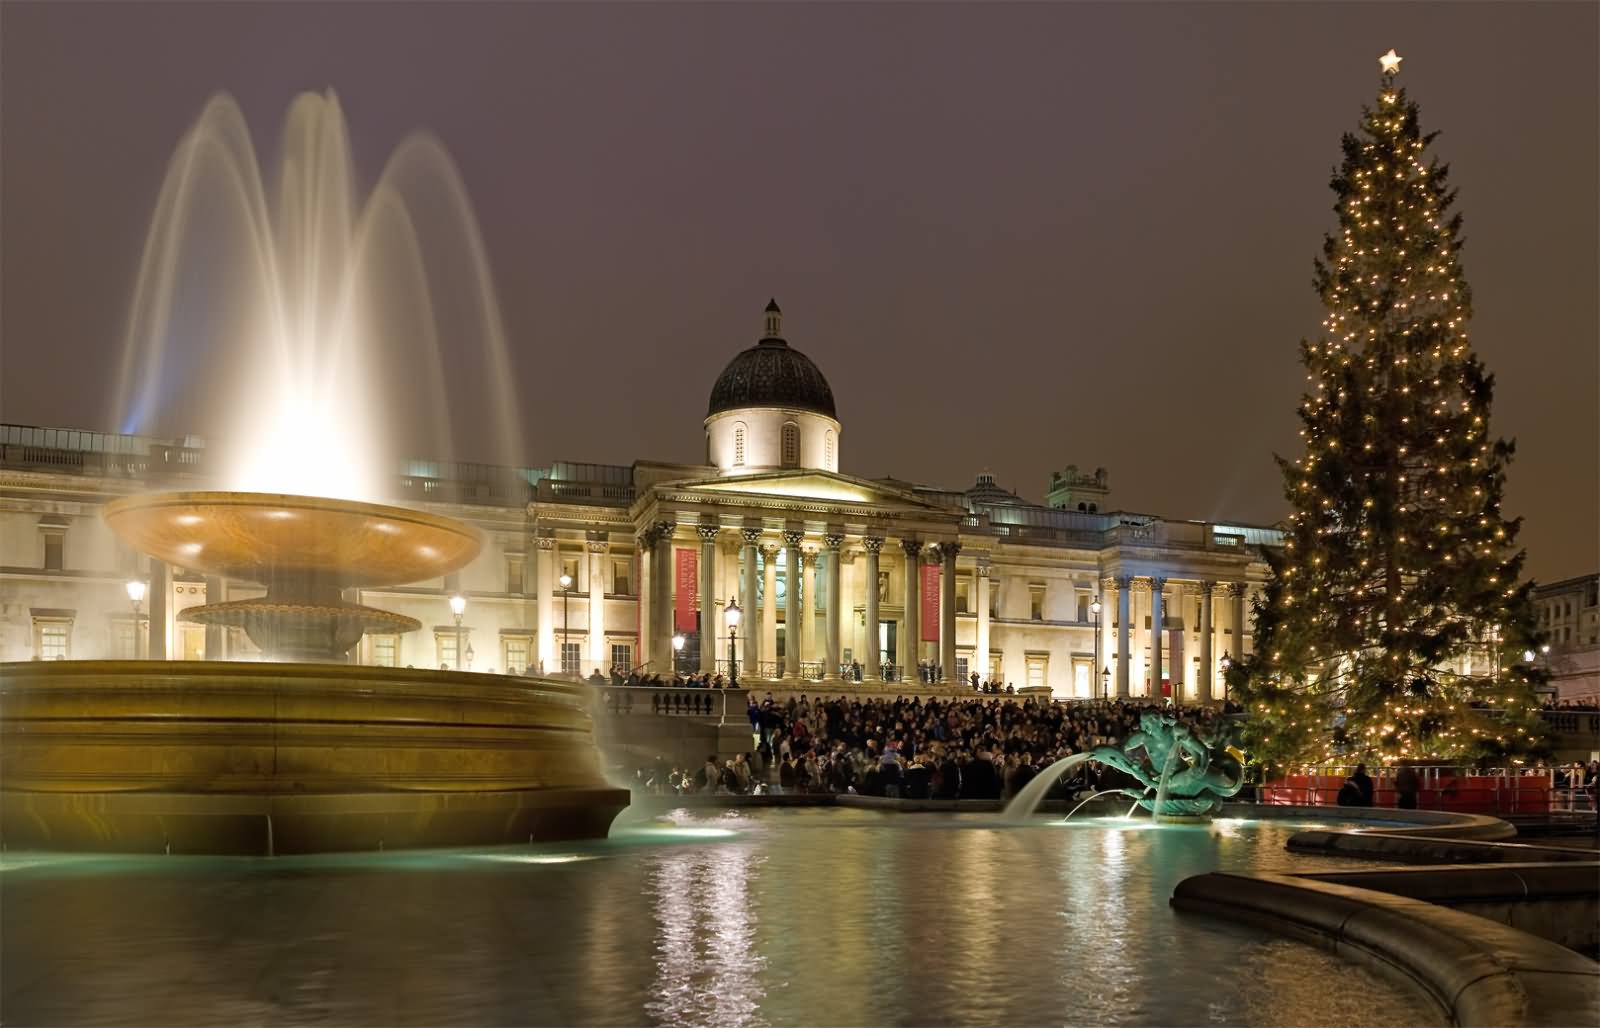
column 772, row 374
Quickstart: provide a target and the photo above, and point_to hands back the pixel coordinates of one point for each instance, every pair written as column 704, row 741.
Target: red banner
column 688, row 582
column 930, row 603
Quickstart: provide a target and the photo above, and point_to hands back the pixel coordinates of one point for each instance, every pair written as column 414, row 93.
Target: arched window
column 791, row 445
column 738, row 445
column 827, row 451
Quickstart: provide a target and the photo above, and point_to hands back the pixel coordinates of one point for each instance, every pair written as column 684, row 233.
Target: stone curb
column 1479, row 972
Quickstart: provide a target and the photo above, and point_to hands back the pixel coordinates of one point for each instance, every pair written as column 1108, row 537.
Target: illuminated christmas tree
column 1394, row 614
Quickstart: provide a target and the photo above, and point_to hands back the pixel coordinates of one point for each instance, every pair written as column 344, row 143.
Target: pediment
column 823, row 486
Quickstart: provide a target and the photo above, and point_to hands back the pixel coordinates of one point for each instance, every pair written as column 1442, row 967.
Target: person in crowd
column 1406, row 787
column 1357, row 789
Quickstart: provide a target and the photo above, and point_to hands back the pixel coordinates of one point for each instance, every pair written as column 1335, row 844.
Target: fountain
column 278, row 309
column 1184, row 774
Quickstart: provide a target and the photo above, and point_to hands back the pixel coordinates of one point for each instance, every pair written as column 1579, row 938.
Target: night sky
column 1013, row 237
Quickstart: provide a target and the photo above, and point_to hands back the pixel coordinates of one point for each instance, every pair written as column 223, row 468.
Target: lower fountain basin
column 256, row 758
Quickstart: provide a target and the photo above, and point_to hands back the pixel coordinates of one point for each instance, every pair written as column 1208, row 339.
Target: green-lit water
column 781, row 917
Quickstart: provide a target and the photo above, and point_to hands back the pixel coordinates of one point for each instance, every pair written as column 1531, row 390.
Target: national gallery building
column 837, row 579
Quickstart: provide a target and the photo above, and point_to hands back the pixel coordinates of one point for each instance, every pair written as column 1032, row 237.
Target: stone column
column 910, row 633
column 834, row 625
column 661, row 599
column 793, row 560
column 1207, row 675
column 215, row 633
column 157, row 598
column 644, row 550
column 750, row 658
column 808, row 604
column 709, row 643
column 769, row 606
column 599, row 547
column 873, row 661
column 1156, row 616
column 947, row 612
column 544, row 585
column 1236, row 591
column 1124, row 583
column 980, row 591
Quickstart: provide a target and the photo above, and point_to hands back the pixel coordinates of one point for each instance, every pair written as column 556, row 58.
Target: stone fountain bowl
column 306, row 550
column 268, row 538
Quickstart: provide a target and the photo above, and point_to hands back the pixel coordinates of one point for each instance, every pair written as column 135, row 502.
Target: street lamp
column 458, row 607
column 1105, row 682
column 1094, row 608
column 1226, row 662
column 677, row 650
column 566, row 595
column 136, row 591
column 730, row 614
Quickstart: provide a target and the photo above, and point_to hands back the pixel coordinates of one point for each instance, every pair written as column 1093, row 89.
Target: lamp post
column 1094, row 608
column 1226, row 662
column 566, row 595
column 136, row 591
column 731, row 614
column 1105, row 682
column 458, row 607
column 677, row 650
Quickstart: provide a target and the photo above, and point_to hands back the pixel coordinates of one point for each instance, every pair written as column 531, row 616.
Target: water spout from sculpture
column 1025, row 802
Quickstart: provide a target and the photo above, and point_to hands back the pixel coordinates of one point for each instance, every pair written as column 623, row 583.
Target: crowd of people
column 913, row 748
column 1574, row 703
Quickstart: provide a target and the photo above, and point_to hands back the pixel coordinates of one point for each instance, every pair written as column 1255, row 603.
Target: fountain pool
column 755, row 917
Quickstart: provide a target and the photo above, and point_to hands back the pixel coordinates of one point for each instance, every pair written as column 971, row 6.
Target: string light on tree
column 1398, row 555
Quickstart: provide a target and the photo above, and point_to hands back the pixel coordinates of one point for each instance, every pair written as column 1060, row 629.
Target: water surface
column 755, row 917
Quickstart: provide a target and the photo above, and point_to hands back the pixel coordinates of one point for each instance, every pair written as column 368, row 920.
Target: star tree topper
column 1390, row 62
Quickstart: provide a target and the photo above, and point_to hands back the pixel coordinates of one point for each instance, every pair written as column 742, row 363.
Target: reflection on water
column 772, row 917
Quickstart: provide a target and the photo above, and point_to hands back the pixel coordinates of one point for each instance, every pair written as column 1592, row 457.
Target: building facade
column 1569, row 619
column 837, row 578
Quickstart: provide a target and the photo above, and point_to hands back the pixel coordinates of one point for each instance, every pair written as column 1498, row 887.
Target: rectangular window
column 125, row 639
column 445, row 646
column 963, row 594
column 1038, row 670
column 571, row 658
column 963, row 667
column 622, row 656
column 994, row 665
column 621, row 576
column 53, row 546
column 53, row 637
column 514, row 573
column 1036, row 602
column 385, row 650
column 514, row 650
column 569, row 567
column 1083, row 607
column 994, row 599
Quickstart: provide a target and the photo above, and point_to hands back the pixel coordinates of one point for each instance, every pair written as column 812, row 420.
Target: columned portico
column 1123, row 583
column 747, row 600
column 947, row 611
column 544, row 582
column 980, row 590
column 833, row 625
column 910, row 631
column 708, row 596
column 874, row 661
column 599, row 546
column 1207, row 674
column 792, row 560
column 1157, row 616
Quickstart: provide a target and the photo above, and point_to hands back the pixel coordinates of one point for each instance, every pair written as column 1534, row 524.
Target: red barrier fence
column 1442, row 788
